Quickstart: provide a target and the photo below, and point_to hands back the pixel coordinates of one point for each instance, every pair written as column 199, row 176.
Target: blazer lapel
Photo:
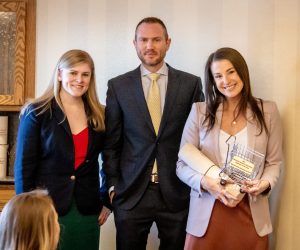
column 216, row 133
column 60, row 118
column 172, row 91
column 252, row 129
column 135, row 82
column 90, row 140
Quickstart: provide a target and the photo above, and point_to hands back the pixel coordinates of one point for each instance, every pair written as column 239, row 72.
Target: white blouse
column 224, row 145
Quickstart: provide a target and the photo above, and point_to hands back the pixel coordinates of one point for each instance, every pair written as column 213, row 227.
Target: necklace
column 233, row 123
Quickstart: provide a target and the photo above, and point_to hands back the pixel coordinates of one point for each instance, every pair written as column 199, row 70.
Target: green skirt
column 78, row 232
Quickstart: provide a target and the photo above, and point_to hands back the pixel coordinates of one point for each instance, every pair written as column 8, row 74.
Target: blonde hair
column 28, row 222
column 94, row 110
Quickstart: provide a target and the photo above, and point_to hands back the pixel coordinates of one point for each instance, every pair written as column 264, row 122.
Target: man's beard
column 151, row 63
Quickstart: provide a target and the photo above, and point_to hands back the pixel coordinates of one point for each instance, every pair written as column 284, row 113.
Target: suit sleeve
column 113, row 138
column 198, row 93
column 27, row 152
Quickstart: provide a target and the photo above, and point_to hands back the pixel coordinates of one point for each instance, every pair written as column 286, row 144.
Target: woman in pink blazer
column 217, row 220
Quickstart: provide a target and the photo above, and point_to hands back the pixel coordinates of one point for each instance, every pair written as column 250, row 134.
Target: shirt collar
column 162, row 71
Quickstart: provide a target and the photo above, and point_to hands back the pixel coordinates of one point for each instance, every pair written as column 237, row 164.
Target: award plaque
column 244, row 163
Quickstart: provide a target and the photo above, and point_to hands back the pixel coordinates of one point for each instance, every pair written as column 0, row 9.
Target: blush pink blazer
column 201, row 203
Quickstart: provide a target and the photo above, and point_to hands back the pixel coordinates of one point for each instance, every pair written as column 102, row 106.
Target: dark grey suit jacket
column 131, row 142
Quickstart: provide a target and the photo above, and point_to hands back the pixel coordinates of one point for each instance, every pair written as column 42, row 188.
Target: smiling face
column 151, row 45
column 75, row 81
column 227, row 80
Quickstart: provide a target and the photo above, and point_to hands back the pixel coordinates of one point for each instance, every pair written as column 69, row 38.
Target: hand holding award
column 196, row 160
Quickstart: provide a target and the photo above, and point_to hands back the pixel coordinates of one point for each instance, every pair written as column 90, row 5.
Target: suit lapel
column 135, row 82
column 172, row 91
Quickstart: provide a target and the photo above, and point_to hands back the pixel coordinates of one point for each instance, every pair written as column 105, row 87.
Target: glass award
column 243, row 163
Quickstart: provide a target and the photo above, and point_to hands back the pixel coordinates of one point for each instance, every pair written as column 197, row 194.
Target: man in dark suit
column 142, row 143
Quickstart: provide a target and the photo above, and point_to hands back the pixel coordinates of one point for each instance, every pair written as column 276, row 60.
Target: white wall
column 266, row 32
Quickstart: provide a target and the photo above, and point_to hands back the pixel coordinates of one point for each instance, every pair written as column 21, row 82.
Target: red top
column 81, row 144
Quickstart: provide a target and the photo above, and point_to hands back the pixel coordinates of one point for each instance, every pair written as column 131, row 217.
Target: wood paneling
column 6, row 193
column 18, row 81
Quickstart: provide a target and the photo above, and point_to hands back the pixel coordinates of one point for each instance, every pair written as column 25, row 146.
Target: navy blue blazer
column 45, row 159
column 132, row 145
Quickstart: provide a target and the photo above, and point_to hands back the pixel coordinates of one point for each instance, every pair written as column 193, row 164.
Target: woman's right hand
column 105, row 212
column 218, row 191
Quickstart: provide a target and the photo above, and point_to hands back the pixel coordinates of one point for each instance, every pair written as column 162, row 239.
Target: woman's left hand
column 105, row 212
column 255, row 187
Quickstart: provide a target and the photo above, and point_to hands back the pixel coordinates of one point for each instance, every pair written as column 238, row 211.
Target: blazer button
column 87, row 161
column 73, row 177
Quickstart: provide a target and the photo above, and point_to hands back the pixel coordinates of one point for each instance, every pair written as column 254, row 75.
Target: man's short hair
column 152, row 20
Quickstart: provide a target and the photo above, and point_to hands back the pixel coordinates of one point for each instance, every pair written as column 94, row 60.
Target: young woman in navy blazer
column 60, row 137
